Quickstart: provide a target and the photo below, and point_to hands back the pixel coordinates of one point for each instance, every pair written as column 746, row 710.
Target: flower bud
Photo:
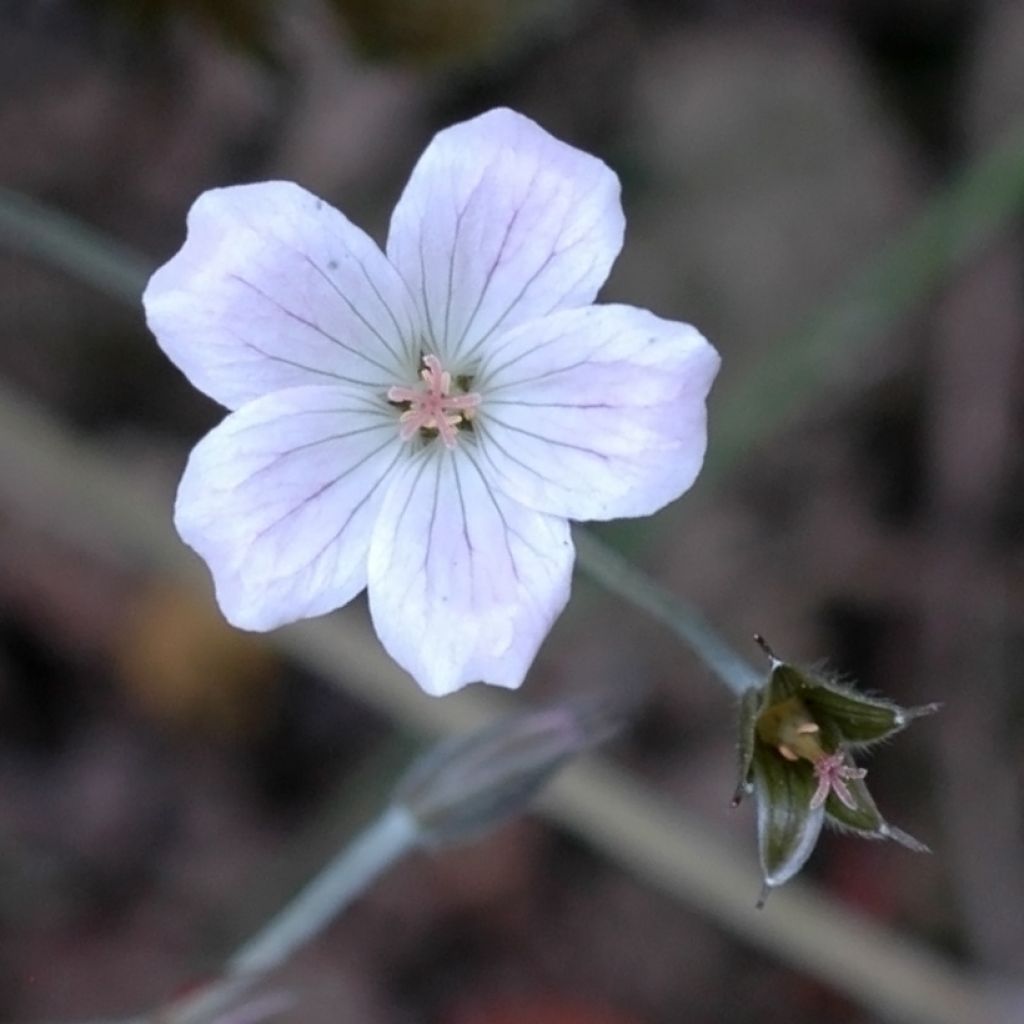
column 797, row 737
column 468, row 785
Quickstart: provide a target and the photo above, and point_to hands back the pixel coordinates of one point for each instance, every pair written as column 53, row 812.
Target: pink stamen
column 832, row 774
column 434, row 408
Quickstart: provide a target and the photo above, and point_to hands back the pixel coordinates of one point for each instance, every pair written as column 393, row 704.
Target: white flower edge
column 501, row 223
column 274, row 288
column 464, row 583
column 596, row 413
column 281, row 498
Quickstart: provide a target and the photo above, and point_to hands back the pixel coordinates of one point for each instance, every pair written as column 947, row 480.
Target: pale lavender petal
column 280, row 500
column 274, row 288
column 500, row 223
column 464, row 584
column 595, row 413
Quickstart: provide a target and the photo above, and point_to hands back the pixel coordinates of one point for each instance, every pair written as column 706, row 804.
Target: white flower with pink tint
column 424, row 422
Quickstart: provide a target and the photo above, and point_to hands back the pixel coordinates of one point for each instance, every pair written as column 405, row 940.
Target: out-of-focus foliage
column 247, row 25
column 419, row 31
column 438, row 31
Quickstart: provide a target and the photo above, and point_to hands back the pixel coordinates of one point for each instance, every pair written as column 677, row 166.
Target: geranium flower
column 424, row 422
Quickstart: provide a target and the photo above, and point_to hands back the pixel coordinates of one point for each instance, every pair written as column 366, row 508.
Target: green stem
column 606, row 566
column 54, row 238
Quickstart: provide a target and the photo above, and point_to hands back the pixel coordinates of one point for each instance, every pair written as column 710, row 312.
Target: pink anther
column 832, row 773
column 434, row 408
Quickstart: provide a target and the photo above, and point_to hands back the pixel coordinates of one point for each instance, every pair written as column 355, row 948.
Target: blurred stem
column 391, row 836
column 603, row 564
column 650, row 838
column 52, row 237
column 958, row 222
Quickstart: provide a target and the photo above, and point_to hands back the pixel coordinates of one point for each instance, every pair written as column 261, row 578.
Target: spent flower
column 798, row 734
column 423, row 422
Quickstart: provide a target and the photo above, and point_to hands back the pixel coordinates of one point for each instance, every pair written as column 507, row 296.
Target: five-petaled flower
column 424, row 422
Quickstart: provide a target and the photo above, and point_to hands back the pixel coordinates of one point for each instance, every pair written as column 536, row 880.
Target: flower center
column 434, row 410
column 789, row 728
column 832, row 773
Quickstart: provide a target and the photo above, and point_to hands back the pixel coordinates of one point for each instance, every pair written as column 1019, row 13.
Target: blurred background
column 166, row 782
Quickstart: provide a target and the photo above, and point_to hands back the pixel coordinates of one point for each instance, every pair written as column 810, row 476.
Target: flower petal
column 274, row 288
column 280, row 501
column 500, row 223
column 595, row 413
column 464, row 583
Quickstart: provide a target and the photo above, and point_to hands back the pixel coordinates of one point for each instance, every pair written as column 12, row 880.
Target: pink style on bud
column 832, row 773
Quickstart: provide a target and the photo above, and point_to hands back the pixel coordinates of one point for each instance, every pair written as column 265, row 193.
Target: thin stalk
column 957, row 223
column 54, row 238
column 604, row 565
column 390, row 837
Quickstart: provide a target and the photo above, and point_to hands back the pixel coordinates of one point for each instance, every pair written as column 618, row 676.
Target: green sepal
column 750, row 708
column 857, row 717
column 785, row 681
column 864, row 819
column 787, row 827
column 778, row 722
